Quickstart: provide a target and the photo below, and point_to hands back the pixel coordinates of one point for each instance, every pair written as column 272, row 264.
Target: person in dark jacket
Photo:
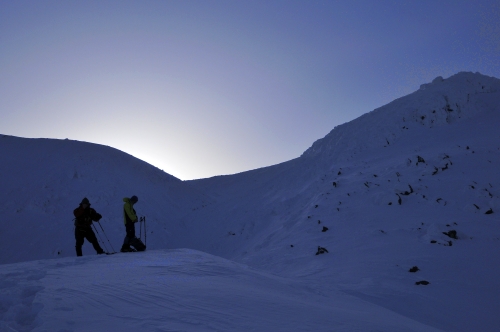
column 85, row 215
column 129, row 218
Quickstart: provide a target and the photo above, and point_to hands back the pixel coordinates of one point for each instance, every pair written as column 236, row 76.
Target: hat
column 134, row 199
column 85, row 200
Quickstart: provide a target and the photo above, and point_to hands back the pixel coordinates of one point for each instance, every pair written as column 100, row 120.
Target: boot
column 126, row 248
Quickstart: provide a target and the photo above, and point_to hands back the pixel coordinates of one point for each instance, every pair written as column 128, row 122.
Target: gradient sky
column 204, row 88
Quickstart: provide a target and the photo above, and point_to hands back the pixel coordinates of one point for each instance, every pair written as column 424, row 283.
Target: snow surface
column 176, row 290
column 378, row 193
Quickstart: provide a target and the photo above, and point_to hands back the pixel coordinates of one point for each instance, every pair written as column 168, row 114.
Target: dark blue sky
column 203, row 88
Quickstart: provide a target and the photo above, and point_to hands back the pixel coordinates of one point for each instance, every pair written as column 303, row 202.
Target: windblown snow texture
column 390, row 223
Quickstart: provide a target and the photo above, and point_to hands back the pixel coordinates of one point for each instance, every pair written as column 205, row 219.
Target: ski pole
column 107, row 237
column 99, row 236
column 140, row 228
column 141, row 220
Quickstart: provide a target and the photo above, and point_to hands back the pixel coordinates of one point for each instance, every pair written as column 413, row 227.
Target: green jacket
column 128, row 212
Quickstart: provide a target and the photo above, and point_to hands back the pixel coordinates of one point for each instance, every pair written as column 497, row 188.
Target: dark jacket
column 84, row 217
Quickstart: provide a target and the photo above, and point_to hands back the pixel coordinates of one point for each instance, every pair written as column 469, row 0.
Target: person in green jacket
column 129, row 218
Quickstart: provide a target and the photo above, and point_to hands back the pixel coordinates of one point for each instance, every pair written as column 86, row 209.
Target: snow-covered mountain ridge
column 386, row 142
column 412, row 183
column 382, row 194
column 441, row 102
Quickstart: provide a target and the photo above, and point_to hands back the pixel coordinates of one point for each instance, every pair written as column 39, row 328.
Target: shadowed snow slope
column 378, row 193
column 43, row 180
column 413, row 183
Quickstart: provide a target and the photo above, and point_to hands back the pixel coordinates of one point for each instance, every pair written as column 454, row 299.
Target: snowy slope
column 43, row 180
column 373, row 240
column 378, row 193
column 179, row 290
column 282, row 195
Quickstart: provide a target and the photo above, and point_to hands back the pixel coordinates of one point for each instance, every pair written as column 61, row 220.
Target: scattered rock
column 433, row 241
column 452, row 234
column 490, row 211
column 406, row 193
column 422, row 282
column 324, row 229
column 414, row 269
column 321, row 250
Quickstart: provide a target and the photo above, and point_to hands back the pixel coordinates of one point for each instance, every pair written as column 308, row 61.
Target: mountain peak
column 440, row 102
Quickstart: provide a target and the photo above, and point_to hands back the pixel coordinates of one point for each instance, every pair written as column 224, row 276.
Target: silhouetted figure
column 85, row 215
column 130, row 218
